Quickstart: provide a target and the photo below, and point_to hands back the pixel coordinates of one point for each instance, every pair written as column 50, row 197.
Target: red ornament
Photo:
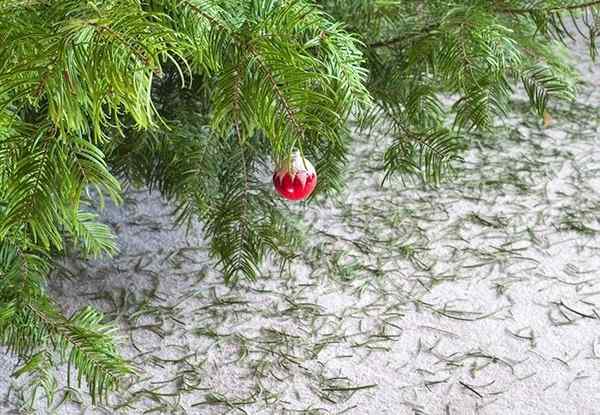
column 295, row 179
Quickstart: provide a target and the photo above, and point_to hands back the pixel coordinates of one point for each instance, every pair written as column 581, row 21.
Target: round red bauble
column 295, row 179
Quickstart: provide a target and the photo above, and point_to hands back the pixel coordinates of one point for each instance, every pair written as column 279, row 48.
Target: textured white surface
column 459, row 300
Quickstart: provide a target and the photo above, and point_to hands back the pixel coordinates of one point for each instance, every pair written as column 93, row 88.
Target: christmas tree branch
column 83, row 85
column 399, row 40
column 30, row 323
column 554, row 9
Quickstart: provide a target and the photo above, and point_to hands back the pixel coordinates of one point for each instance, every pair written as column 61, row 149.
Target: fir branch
column 206, row 16
column 554, row 9
column 113, row 34
column 266, row 70
column 426, row 154
column 30, row 324
column 291, row 114
column 85, row 85
column 541, row 83
column 243, row 228
column 399, row 40
column 39, row 371
column 89, row 348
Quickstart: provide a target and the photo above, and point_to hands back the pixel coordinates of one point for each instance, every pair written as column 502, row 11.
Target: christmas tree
column 201, row 99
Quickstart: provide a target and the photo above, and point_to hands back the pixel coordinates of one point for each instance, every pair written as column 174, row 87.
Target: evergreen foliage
column 197, row 98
